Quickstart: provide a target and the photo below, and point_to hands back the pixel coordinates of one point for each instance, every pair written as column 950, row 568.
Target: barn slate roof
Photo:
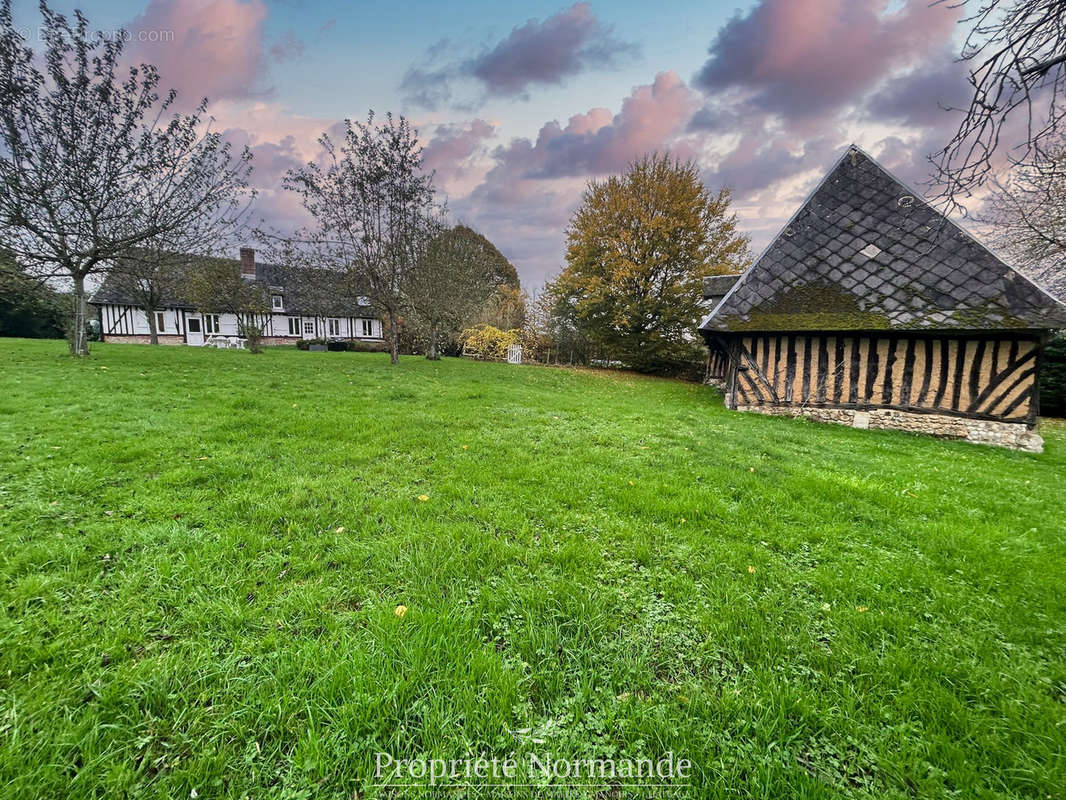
column 865, row 252
column 289, row 282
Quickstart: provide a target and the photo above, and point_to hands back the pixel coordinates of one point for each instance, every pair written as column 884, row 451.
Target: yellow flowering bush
column 488, row 343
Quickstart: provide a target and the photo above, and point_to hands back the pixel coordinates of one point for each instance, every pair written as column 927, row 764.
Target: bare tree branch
column 94, row 165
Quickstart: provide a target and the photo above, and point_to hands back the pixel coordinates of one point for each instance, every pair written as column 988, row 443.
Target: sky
column 519, row 107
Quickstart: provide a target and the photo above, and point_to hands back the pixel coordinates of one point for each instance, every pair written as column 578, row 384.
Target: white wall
column 136, row 323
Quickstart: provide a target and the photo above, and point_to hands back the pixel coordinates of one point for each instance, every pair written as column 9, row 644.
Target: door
column 195, row 334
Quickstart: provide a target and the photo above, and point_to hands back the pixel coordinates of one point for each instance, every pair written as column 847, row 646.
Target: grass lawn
column 202, row 553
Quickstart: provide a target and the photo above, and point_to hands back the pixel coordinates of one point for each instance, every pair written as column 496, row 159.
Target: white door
column 194, row 333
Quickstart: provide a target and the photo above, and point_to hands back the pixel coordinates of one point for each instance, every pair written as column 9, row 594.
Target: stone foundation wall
column 164, row 338
column 1015, row 435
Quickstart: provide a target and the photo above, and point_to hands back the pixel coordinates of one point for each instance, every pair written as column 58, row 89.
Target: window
column 159, row 321
column 294, row 326
column 194, row 325
column 277, row 302
column 334, row 327
column 363, row 301
column 367, row 326
column 309, row 327
column 210, row 323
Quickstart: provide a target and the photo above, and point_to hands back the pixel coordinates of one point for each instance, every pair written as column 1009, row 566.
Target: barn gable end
column 873, row 309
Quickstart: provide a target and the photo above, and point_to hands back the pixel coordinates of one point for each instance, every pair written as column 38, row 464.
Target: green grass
column 201, row 553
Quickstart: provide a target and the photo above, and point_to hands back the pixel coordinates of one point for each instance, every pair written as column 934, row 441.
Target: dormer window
column 277, row 302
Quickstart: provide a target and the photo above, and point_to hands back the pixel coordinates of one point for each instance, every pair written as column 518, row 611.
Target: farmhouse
column 343, row 315
column 872, row 309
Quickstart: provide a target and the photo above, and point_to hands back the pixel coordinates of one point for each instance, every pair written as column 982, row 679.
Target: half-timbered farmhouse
column 872, row 309
column 292, row 317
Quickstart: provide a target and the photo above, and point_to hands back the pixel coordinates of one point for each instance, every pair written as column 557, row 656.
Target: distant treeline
column 31, row 309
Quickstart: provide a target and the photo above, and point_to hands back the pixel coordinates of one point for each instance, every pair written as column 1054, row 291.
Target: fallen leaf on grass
column 400, row 611
column 751, row 569
column 204, row 458
column 862, row 609
column 423, row 497
column 339, row 530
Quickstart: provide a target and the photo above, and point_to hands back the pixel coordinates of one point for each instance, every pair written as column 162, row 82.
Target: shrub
column 345, row 345
column 487, row 343
column 1053, row 378
column 362, row 346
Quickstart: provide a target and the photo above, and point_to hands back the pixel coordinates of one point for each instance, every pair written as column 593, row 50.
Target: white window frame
column 211, row 325
column 333, row 325
column 277, row 302
column 309, row 327
column 367, row 328
column 294, row 326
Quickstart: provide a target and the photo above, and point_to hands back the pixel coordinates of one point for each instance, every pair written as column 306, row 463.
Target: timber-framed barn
column 873, row 309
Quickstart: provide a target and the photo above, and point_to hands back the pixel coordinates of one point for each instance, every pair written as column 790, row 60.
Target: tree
column 1017, row 49
column 216, row 286
column 27, row 307
column 1053, row 378
column 151, row 275
column 459, row 271
column 551, row 331
column 371, row 203
column 92, row 162
column 638, row 249
column 153, row 272
column 1026, row 217
column 506, row 308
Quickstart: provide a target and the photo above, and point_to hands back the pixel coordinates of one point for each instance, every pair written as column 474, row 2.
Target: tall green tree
column 638, row 249
column 28, row 307
column 458, row 272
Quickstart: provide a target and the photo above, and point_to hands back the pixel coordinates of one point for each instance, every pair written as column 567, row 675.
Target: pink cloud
column 453, row 149
column 204, row 48
column 525, row 200
column 595, row 143
column 803, row 57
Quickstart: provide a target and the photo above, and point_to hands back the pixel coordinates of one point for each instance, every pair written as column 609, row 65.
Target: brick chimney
column 248, row 262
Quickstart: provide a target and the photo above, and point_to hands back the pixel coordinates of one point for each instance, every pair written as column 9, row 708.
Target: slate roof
column 718, row 285
column 288, row 282
column 865, row 252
